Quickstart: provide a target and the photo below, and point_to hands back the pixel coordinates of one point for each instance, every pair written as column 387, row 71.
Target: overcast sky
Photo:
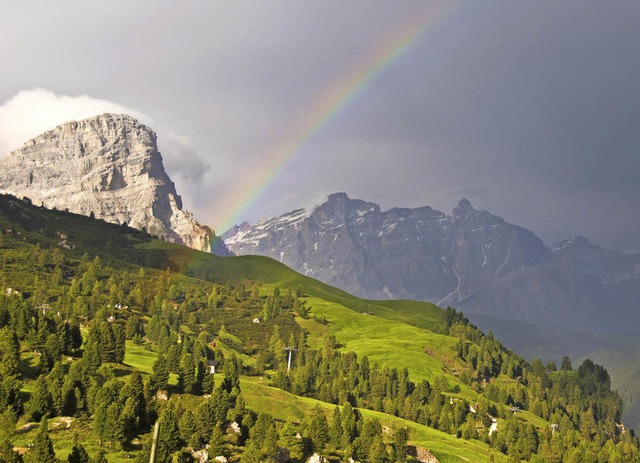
column 529, row 109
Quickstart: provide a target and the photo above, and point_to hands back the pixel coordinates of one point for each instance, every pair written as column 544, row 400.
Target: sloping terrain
column 117, row 317
column 470, row 259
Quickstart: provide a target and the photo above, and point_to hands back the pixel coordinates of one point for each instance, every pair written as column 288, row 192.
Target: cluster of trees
column 190, row 361
column 55, row 293
column 260, row 438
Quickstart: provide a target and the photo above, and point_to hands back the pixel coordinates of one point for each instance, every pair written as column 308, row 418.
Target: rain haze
column 528, row 109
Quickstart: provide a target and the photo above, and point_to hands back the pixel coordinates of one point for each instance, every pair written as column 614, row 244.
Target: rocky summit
column 470, row 259
column 108, row 166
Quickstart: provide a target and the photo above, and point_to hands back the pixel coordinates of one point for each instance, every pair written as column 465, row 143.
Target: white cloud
column 29, row 113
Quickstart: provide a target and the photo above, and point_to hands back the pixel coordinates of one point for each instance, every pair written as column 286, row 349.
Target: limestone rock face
column 110, row 166
column 469, row 259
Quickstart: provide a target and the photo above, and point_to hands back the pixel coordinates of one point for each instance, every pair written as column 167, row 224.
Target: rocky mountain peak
column 470, row 259
column 465, row 204
column 108, row 165
column 464, row 209
column 338, row 196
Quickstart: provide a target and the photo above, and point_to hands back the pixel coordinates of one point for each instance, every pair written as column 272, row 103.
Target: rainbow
column 330, row 103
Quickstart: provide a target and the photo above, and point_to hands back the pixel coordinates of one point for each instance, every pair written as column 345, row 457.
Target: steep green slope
column 401, row 363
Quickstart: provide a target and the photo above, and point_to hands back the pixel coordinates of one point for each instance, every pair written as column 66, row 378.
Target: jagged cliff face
column 109, row 165
column 469, row 259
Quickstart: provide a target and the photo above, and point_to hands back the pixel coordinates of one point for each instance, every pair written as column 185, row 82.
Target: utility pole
column 154, row 443
column 290, row 349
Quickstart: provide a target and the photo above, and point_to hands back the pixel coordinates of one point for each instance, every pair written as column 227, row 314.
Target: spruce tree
column 263, row 439
column 232, row 374
column 216, row 441
column 207, row 383
column 100, row 458
column 319, row 430
column 7, row 454
column 169, row 437
column 41, row 402
column 336, row 431
column 187, row 426
column 7, row 423
column 42, row 450
column 120, row 338
column 400, row 439
column 160, row 376
column 78, row 453
column 378, row 451
column 186, row 378
column 135, row 390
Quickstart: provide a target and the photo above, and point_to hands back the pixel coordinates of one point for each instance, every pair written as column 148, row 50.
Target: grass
column 387, row 341
column 63, row 440
column 396, row 333
column 288, row 407
column 138, row 357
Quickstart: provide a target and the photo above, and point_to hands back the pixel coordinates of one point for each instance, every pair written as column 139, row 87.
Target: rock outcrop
column 469, row 259
column 110, row 166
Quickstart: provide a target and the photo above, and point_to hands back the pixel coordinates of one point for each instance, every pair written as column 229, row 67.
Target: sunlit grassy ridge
column 288, row 407
column 385, row 340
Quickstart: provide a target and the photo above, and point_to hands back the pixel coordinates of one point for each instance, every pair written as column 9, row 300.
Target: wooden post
column 154, row 443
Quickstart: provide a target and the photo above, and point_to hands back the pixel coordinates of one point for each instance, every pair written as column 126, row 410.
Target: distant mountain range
column 469, row 259
column 108, row 166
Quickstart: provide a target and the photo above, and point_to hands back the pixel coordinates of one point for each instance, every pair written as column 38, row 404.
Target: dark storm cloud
column 528, row 108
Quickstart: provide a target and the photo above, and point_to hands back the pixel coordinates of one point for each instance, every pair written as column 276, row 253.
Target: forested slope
column 100, row 324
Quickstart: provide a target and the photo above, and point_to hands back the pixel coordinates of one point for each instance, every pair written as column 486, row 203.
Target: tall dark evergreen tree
column 400, row 440
column 41, row 402
column 78, row 453
column 169, row 437
column 42, row 450
column 318, row 430
column 187, row 376
column 7, row 454
column 160, row 376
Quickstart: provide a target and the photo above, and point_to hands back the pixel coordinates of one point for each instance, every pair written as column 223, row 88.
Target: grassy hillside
column 73, row 289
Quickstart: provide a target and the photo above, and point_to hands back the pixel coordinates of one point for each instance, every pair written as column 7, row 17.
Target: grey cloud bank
column 529, row 109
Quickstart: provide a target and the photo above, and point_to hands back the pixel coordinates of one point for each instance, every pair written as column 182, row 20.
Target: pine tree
column 120, row 339
column 319, row 429
column 78, row 453
column 378, row 451
column 7, row 424
column 7, row 454
column 207, row 383
column 187, row 426
column 42, row 450
column 169, row 437
column 336, row 431
column 160, row 376
column 100, row 458
column 216, row 442
column 186, row 378
column 400, row 439
column 41, row 402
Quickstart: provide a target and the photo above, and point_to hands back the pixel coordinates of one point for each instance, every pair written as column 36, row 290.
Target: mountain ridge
column 469, row 258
